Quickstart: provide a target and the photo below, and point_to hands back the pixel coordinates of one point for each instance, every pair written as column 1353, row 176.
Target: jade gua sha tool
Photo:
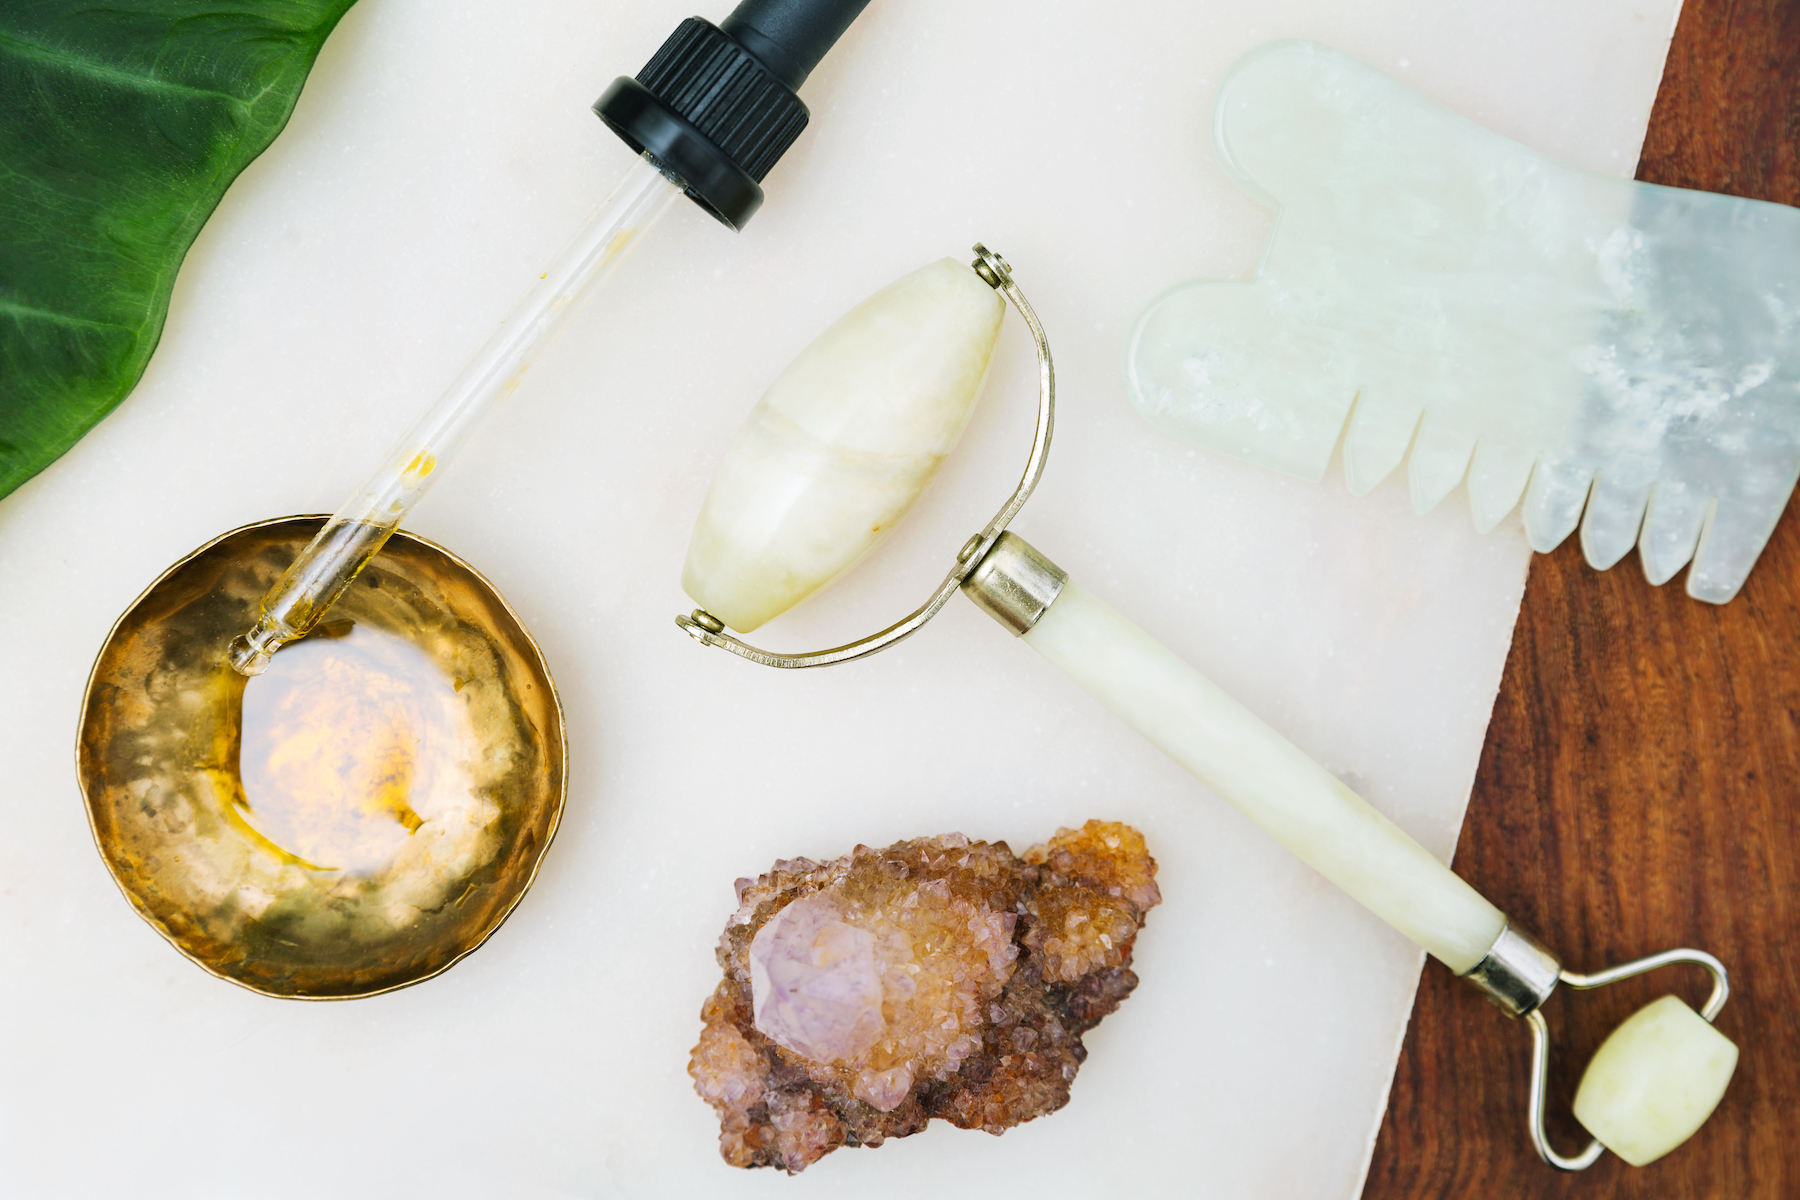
column 1550, row 333
column 372, row 809
column 836, row 452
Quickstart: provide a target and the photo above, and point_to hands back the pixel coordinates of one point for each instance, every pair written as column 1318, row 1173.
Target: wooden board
column 1638, row 788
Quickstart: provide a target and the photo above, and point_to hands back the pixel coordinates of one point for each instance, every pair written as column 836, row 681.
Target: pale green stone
column 1655, row 1081
column 842, row 444
column 1545, row 333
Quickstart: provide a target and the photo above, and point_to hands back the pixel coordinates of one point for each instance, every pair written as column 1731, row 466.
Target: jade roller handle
column 1227, row 747
column 1653, row 1083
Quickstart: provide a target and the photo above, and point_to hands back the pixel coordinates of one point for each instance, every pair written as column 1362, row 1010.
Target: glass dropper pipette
column 709, row 114
column 358, row 530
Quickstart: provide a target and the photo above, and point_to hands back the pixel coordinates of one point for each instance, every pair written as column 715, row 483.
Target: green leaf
column 121, row 125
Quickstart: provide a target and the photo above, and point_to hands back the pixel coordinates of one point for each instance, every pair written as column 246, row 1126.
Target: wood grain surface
column 1641, row 778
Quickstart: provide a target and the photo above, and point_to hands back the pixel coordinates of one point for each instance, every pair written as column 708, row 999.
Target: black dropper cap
column 717, row 104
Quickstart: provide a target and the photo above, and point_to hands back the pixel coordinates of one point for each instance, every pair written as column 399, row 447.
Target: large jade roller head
column 838, row 450
column 842, row 444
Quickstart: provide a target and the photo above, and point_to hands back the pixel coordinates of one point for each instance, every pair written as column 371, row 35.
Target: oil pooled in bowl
column 351, row 742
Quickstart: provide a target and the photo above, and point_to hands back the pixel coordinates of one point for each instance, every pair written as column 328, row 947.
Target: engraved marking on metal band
column 1518, row 974
column 1014, row 583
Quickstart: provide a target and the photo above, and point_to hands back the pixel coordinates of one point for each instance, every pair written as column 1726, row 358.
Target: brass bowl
column 353, row 892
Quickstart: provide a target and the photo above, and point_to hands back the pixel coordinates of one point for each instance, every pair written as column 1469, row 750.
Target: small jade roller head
column 1654, row 1081
column 842, row 444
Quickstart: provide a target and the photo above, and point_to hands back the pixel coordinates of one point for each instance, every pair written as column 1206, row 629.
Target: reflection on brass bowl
column 353, row 821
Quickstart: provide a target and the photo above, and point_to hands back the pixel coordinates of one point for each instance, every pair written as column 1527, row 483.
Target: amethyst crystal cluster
column 936, row 978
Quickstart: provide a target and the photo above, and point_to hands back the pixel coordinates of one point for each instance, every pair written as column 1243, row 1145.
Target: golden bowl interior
column 357, row 819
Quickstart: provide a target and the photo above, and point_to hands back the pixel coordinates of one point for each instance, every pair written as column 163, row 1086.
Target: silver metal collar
column 1518, row 974
column 1014, row 583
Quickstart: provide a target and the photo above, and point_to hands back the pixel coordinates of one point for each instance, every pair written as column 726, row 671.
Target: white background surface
column 437, row 157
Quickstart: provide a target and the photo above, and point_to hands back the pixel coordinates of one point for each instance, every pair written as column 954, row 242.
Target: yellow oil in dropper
column 340, row 750
column 356, row 532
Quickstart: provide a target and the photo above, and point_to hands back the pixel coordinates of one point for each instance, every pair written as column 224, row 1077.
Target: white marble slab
column 439, row 154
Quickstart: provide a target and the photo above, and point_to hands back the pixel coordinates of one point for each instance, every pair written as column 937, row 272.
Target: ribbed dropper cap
column 716, row 105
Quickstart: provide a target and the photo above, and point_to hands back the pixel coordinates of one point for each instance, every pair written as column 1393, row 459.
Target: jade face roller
column 838, row 449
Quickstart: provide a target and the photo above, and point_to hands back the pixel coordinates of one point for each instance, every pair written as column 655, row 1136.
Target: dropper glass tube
column 358, row 530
